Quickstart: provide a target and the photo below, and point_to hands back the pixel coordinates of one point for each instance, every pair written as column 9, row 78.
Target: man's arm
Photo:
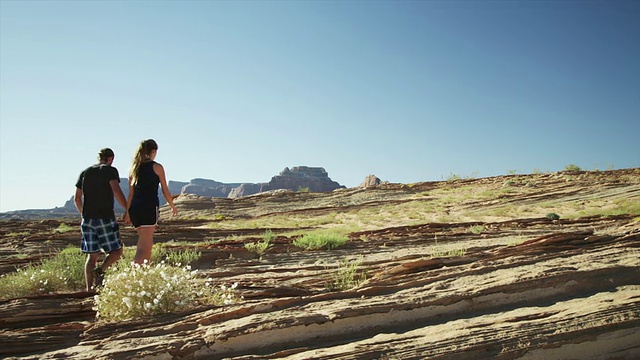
column 77, row 198
column 117, row 192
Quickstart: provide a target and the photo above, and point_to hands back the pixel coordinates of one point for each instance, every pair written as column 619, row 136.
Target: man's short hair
column 105, row 153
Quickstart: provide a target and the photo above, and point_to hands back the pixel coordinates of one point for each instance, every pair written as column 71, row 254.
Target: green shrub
column 347, row 276
column 315, row 241
column 142, row 290
column 476, row 229
column 260, row 247
column 65, row 272
column 572, row 167
column 303, row 189
column 553, row 216
column 62, row 272
column 63, row 228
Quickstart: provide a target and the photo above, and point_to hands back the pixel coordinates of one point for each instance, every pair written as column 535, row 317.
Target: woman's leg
column 145, row 244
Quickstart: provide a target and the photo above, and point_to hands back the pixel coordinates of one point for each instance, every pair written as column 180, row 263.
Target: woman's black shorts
column 141, row 215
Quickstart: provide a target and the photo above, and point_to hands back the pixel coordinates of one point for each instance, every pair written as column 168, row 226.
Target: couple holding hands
column 94, row 198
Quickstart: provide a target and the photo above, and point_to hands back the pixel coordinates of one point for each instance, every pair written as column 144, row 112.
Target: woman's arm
column 129, row 198
column 159, row 170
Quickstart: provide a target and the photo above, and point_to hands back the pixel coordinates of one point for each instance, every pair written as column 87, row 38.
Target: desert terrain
column 455, row 269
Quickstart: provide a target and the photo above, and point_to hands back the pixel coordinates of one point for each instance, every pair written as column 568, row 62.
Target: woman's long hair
column 142, row 154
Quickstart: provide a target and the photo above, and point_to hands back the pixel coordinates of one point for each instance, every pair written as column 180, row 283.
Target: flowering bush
column 140, row 290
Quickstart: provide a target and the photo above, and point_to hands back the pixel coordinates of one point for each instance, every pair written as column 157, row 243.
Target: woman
column 143, row 203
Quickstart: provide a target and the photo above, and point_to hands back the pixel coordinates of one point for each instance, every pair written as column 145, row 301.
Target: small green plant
column 158, row 253
column 453, row 177
column 210, row 240
column 572, row 167
column 512, row 172
column 221, row 217
column 303, row 189
column 184, row 257
column 268, row 235
column 440, row 252
column 319, row 240
column 261, row 247
column 553, row 216
column 516, row 242
column 17, row 233
column 476, row 229
column 347, row 276
column 63, row 228
column 141, row 290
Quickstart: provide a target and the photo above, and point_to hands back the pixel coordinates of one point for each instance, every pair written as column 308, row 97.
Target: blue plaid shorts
column 100, row 234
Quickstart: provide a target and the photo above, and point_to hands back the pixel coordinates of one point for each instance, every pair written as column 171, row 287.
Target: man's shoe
column 98, row 277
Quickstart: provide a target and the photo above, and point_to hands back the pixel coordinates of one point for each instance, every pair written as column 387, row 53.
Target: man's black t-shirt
column 97, row 192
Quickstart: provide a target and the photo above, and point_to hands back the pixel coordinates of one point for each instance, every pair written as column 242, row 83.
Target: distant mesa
column 316, row 179
column 208, row 188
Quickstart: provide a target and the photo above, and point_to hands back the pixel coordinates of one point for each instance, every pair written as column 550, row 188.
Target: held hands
column 125, row 218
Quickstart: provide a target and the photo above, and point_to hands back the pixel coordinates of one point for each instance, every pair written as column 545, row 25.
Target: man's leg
column 111, row 258
column 89, row 267
column 110, row 243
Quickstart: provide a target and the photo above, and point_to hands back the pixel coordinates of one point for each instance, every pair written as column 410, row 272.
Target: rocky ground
column 458, row 269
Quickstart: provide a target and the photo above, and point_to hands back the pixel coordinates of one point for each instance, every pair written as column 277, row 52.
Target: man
column 95, row 190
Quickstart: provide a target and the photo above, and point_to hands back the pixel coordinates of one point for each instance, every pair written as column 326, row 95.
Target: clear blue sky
column 237, row 91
